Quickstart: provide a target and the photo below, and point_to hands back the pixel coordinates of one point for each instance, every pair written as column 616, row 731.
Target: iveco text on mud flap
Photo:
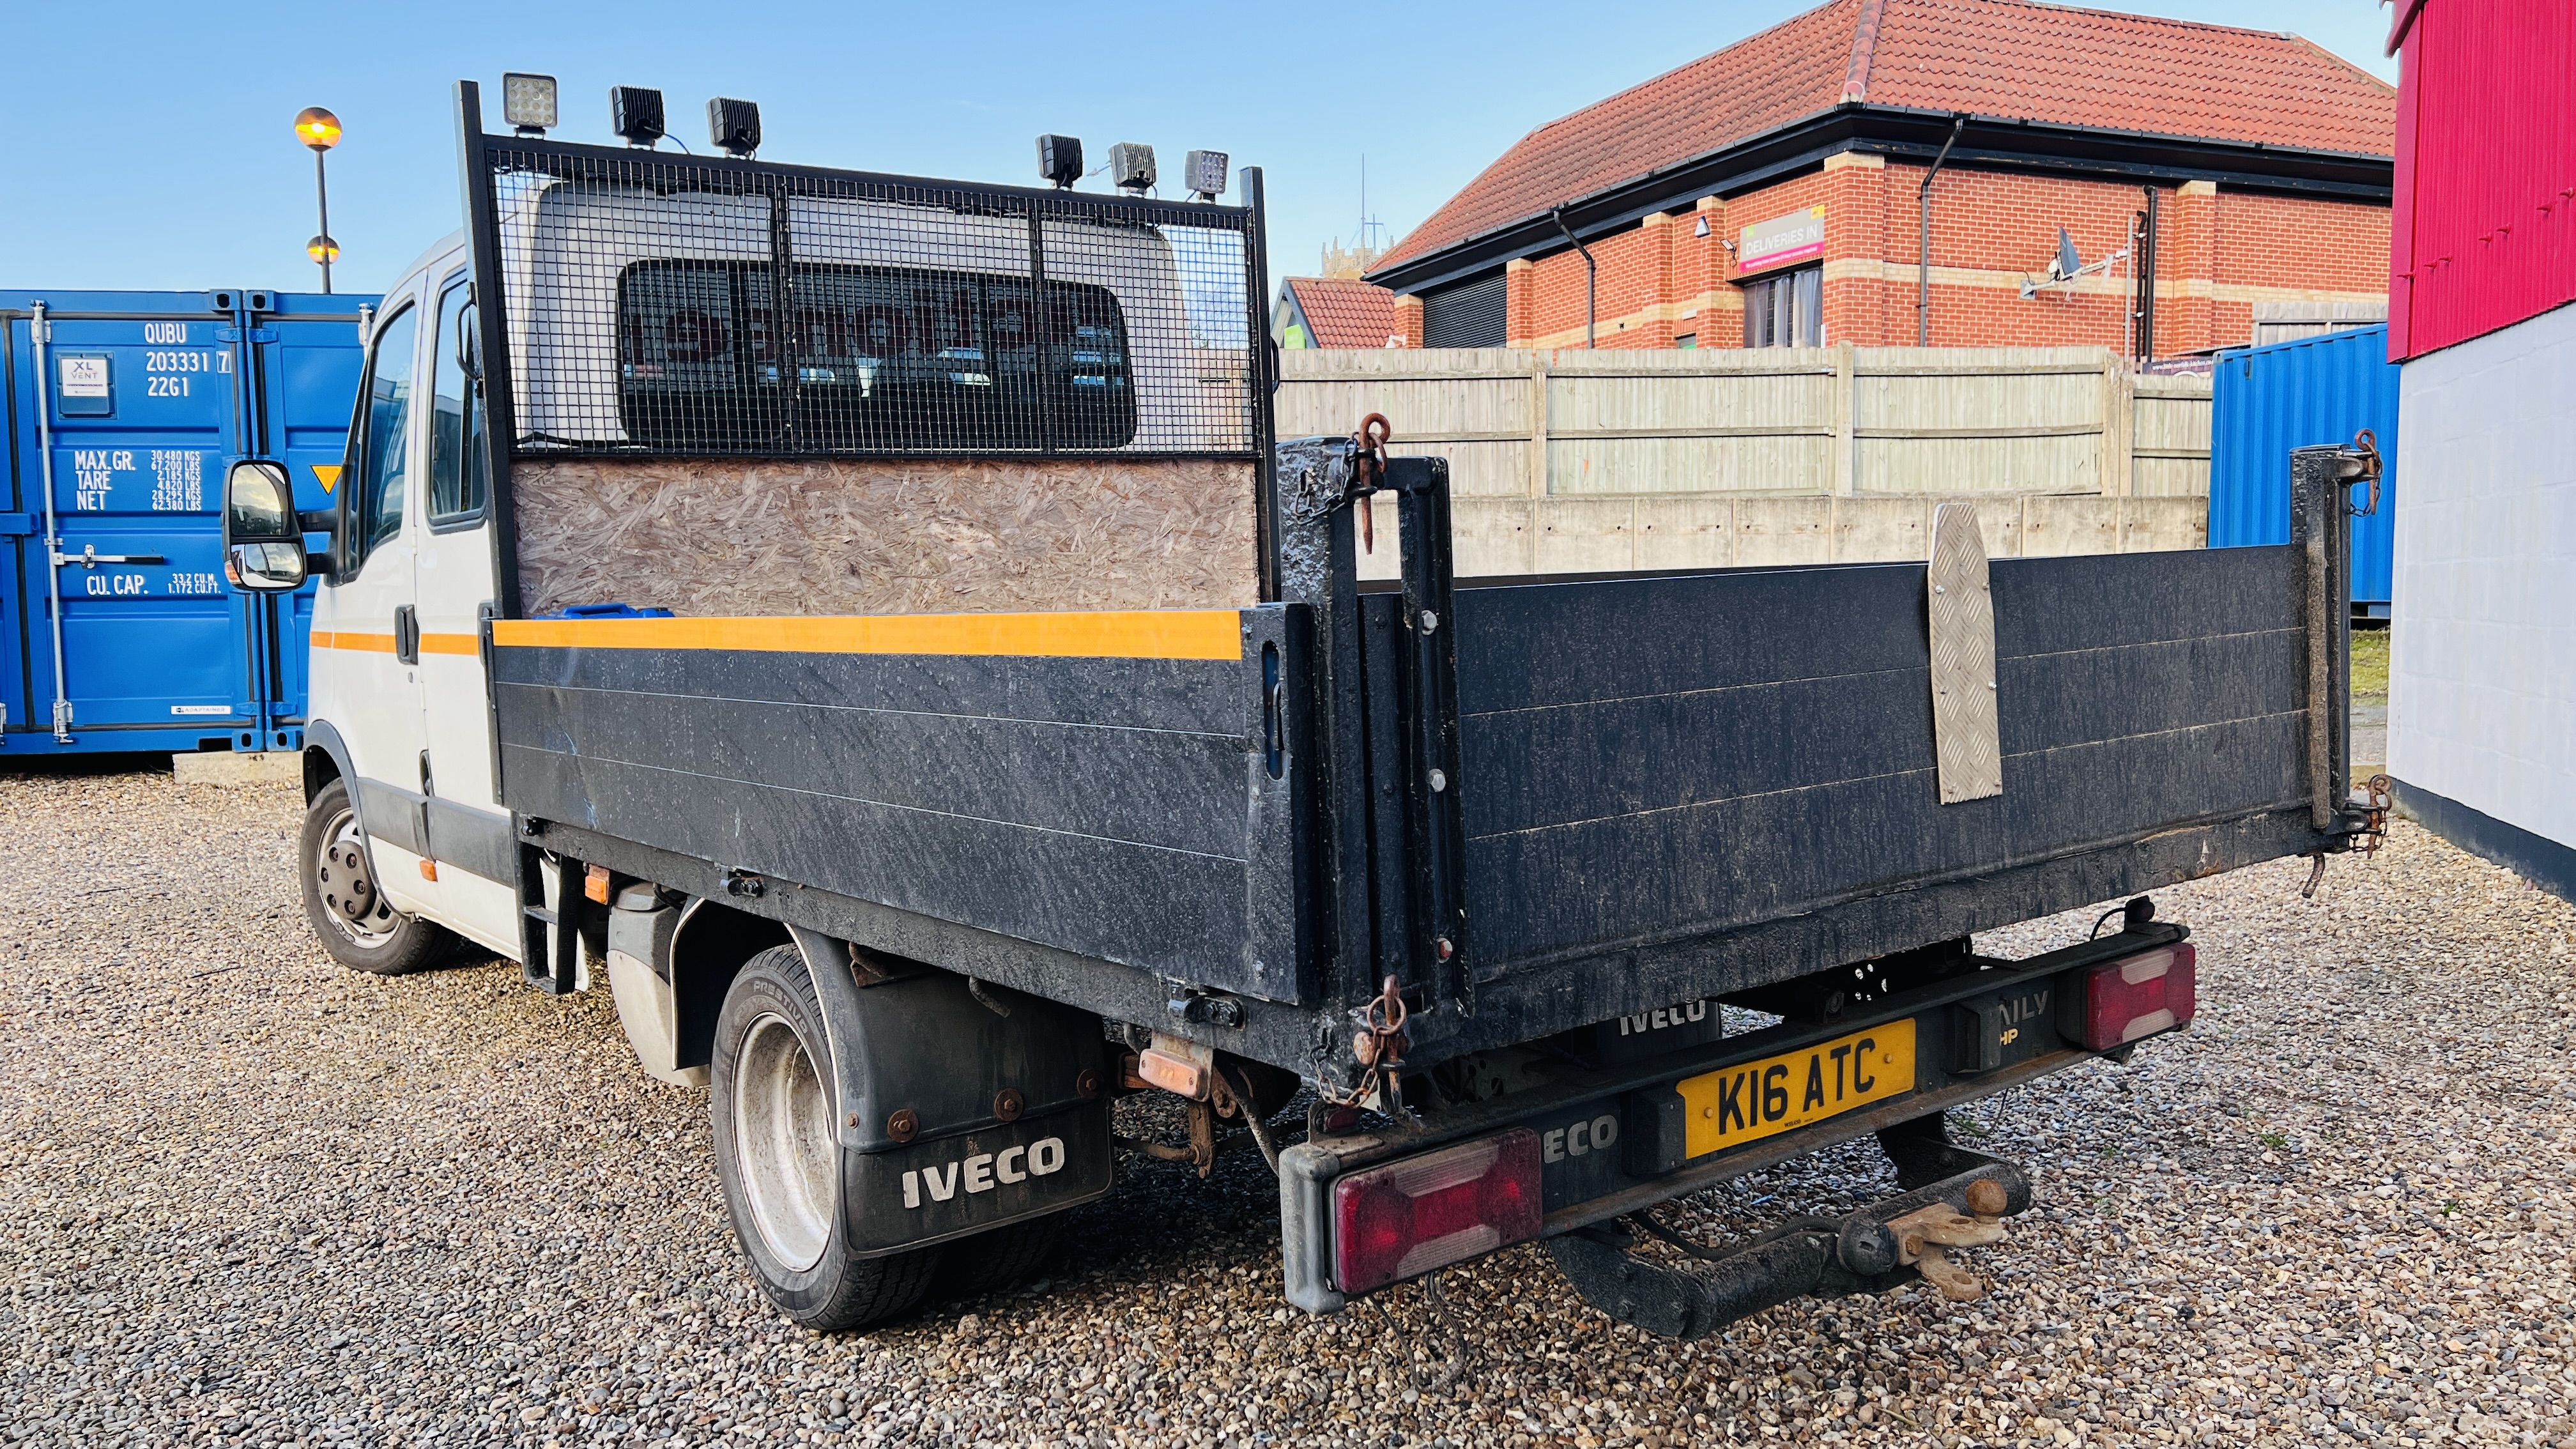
column 1068, row 757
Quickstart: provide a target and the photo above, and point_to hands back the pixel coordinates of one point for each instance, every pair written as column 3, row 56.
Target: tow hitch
column 1875, row 1249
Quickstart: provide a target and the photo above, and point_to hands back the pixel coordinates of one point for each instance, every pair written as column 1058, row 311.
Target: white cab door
column 469, row 830
column 377, row 692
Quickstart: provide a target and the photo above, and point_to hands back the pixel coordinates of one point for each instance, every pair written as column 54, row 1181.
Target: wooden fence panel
column 2170, row 455
column 1574, row 461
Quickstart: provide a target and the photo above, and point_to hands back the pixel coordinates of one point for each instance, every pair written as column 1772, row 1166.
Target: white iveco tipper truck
column 866, row 624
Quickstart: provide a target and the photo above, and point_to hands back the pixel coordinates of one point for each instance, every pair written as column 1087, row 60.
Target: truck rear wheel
column 778, row 1154
column 358, row 926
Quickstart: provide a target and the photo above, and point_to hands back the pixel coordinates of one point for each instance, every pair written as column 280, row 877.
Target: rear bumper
column 1623, row 1138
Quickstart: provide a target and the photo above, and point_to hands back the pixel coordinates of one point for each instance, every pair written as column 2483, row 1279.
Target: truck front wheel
column 779, row 1155
column 358, row 926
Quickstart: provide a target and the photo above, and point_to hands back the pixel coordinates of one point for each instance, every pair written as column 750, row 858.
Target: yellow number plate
column 1740, row 1104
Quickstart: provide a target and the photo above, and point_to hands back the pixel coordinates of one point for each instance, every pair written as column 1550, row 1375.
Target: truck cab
column 415, row 846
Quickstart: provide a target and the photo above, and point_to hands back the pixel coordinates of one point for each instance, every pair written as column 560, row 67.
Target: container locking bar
column 41, row 332
column 89, row 558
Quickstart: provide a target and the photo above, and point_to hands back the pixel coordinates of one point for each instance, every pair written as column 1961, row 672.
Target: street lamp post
column 319, row 129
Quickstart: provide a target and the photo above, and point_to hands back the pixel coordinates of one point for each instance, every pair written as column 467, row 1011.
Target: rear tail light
column 2136, row 996
column 1409, row 1217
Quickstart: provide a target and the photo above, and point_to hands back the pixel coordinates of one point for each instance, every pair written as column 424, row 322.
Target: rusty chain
column 1380, row 1046
column 2373, row 832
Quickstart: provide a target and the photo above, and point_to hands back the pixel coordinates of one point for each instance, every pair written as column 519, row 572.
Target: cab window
column 385, row 468
column 456, row 430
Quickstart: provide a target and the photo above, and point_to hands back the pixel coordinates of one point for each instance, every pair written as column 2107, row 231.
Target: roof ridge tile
column 1864, row 42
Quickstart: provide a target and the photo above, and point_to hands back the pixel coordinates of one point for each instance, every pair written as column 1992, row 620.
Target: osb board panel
column 727, row 537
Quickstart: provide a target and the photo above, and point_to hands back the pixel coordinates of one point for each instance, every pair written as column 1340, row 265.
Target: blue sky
column 153, row 147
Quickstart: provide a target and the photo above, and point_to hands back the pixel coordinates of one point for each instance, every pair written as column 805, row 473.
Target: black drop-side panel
column 1661, row 761
column 1122, row 809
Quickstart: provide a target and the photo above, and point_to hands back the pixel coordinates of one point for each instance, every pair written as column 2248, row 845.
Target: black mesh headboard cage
column 651, row 303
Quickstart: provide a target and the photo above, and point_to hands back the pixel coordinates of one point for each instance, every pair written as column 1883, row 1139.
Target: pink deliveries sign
column 1791, row 238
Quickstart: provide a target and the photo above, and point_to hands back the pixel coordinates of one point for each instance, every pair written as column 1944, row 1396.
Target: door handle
column 89, row 558
column 406, row 634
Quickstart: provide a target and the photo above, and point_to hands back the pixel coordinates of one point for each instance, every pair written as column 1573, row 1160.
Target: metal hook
column 1368, row 470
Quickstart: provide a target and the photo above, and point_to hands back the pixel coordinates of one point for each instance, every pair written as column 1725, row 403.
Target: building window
column 1687, row 341
column 1786, row 309
column 1472, row 314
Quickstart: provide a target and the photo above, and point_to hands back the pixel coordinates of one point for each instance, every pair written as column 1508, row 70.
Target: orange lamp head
column 317, row 128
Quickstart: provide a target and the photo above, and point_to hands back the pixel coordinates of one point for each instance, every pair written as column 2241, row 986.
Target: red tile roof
column 2010, row 58
column 1344, row 313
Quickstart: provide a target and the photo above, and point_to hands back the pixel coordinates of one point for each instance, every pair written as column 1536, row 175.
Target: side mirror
column 263, row 541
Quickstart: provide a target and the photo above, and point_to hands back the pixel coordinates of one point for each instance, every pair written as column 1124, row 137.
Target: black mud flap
column 963, row 1107
column 1869, row 1251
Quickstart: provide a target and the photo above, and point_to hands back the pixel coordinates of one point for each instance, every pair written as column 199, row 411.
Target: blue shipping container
column 129, row 408
column 2266, row 401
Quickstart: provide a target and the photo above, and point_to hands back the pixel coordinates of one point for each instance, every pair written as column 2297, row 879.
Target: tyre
column 997, row 1259
column 779, row 1157
column 358, row 926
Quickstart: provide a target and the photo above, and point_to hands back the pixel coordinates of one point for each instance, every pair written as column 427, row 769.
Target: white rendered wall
column 2482, row 675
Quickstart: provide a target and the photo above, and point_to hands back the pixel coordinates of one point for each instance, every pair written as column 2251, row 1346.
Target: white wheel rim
column 345, row 880
column 783, row 1142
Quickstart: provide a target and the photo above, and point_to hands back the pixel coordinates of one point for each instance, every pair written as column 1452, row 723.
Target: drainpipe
column 1591, row 275
column 45, row 382
column 2144, row 264
column 1923, row 209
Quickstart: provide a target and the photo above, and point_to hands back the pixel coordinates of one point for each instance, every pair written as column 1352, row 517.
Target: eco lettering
column 1580, row 1139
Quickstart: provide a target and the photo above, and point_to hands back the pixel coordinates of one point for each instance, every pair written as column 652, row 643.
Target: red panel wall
column 2485, row 227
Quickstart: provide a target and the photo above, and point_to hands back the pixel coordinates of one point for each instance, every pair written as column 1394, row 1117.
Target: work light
column 528, row 102
column 733, row 126
column 635, row 112
column 1060, row 159
column 1203, row 173
column 1131, row 166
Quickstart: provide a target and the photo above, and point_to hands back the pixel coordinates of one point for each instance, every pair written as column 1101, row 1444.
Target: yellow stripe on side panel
column 384, row 643
column 1131, row 634
column 370, row 643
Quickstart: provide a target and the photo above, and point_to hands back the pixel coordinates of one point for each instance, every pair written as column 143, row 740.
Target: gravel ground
column 248, row 1198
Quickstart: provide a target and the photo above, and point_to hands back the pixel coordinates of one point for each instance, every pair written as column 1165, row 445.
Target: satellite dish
column 2068, row 262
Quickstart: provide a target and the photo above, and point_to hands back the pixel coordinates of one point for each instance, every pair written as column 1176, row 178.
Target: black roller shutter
column 1469, row 314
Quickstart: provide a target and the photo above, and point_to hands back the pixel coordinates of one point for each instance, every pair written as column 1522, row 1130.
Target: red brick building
column 1771, row 194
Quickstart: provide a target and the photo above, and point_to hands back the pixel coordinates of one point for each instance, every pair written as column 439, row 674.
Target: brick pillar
column 1520, row 293
column 1855, row 241
column 1408, row 319
column 1719, row 321
column 1654, row 327
column 2187, row 259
